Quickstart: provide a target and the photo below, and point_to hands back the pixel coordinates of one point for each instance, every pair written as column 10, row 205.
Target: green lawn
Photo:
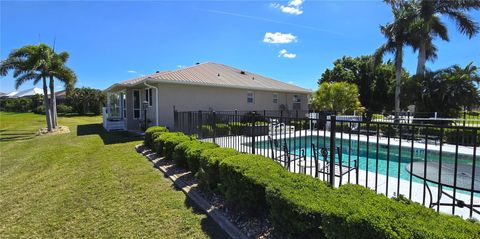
column 88, row 183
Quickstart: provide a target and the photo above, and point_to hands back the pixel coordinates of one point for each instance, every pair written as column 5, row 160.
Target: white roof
column 23, row 93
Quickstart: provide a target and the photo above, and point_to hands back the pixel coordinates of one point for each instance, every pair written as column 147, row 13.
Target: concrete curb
column 211, row 211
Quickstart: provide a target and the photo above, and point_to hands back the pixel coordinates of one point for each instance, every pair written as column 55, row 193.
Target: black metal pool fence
column 433, row 164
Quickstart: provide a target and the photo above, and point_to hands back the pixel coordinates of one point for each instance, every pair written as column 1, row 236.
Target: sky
column 292, row 41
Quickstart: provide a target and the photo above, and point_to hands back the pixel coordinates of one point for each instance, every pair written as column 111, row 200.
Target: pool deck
column 377, row 182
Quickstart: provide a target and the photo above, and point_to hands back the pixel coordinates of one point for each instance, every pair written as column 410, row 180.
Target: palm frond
column 24, row 78
column 465, row 24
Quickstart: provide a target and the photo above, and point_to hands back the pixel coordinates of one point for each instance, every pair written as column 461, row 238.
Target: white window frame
column 296, row 100
column 250, row 95
column 148, row 96
column 139, row 104
column 275, row 98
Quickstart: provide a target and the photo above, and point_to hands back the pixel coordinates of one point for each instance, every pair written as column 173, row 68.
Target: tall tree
column 31, row 62
column 448, row 91
column 62, row 73
column 376, row 85
column 398, row 35
column 428, row 25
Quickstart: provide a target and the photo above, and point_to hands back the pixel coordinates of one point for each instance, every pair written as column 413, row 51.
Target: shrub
column 237, row 128
column 193, row 154
column 206, row 130
column 149, row 135
column 170, row 140
column 220, row 130
column 244, row 179
column 297, row 206
column 302, row 206
column 64, row 109
column 209, row 162
column 39, row 110
column 23, row 104
column 180, row 152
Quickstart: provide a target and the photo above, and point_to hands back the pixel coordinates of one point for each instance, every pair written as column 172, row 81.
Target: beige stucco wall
column 194, row 98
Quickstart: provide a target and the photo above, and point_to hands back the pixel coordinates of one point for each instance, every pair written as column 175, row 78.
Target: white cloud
column 180, row 66
column 132, row 72
column 293, row 7
column 279, row 38
column 284, row 53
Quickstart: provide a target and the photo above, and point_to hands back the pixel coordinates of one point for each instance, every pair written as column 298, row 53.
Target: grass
column 88, row 183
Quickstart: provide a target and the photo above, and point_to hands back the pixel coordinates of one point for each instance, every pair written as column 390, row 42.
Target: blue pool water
column 385, row 160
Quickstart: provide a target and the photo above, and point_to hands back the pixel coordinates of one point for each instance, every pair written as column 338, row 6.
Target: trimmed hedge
column 149, row 137
column 209, row 164
column 220, row 130
column 168, row 141
column 302, row 206
column 193, row 154
column 244, row 178
column 180, row 154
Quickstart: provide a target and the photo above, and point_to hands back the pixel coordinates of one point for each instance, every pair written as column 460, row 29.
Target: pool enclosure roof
column 212, row 74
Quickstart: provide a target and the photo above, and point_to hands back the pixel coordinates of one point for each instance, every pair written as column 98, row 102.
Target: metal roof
column 214, row 74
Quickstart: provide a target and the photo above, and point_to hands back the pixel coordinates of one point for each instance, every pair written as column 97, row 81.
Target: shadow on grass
column 208, row 225
column 107, row 137
column 15, row 135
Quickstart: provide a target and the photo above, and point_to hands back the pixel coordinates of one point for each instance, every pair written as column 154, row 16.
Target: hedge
column 148, row 141
column 180, row 154
column 220, row 130
column 244, row 178
column 209, row 162
column 168, row 141
column 193, row 154
column 302, row 206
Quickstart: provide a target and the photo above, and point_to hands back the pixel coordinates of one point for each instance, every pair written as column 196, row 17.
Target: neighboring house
column 25, row 93
column 206, row 86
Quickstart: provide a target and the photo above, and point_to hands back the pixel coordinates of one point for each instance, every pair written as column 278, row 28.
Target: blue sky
column 296, row 41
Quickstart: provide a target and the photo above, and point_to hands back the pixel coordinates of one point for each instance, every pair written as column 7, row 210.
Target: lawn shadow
column 114, row 137
column 16, row 135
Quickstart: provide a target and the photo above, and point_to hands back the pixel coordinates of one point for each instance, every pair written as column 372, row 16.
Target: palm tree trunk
column 48, row 115
column 422, row 58
column 398, row 80
column 53, row 102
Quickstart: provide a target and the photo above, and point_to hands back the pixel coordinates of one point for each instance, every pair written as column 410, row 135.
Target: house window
column 297, row 102
column 275, row 98
column 136, row 104
column 250, row 97
column 148, row 96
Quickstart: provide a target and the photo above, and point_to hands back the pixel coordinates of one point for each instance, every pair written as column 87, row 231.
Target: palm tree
column 62, row 73
column 429, row 25
column 398, row 34
column 31, row 62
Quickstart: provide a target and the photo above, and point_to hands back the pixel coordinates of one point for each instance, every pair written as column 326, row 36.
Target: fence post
column 333, row 123
column 200, row 123
column 175, row 119
column 214, row 126
column 190, row 122
column 253, row 132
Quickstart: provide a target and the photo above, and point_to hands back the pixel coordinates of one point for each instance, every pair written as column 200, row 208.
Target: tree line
column 385, row 86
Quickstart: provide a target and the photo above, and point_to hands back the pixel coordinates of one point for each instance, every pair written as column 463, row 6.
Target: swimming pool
column 389, row 160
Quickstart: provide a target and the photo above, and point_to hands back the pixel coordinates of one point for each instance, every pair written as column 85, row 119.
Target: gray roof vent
column 242, row 72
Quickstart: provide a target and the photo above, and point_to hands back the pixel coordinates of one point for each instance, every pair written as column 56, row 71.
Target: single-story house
column 203, row 86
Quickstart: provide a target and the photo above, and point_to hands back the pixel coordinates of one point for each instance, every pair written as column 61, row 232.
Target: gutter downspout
column 156, row 96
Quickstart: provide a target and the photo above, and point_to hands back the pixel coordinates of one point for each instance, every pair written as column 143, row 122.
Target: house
column 25, row 93
column 203, row 86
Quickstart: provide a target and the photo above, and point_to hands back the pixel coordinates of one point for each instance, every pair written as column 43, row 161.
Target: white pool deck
column 376, row 182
